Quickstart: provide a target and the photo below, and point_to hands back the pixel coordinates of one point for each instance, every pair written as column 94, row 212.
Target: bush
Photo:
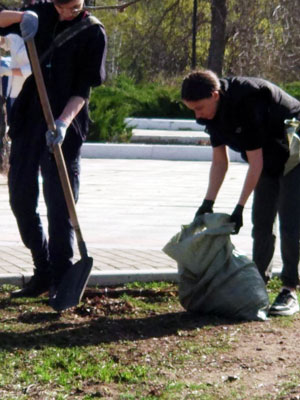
column 108, row 109
column 121, row 98
column 113, row 102
column 293, row 89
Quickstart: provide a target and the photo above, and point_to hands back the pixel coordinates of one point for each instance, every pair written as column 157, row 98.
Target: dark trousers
column 30, row 156
column 277, row 195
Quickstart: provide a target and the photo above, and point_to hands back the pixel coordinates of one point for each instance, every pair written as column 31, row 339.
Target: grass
column 137, row 345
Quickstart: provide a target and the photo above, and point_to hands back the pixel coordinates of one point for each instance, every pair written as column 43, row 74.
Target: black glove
column 206, row 207
column 237, row 218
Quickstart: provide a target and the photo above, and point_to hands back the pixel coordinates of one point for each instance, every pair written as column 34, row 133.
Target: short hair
column 198, row 85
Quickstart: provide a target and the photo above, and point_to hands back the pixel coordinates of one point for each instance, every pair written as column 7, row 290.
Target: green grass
column 140, row 345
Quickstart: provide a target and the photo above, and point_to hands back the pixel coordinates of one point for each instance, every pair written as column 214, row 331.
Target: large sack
column 214, row 278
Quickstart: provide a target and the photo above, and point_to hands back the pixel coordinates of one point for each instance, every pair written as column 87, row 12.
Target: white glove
column 5, row 71
column 29, row 24
column 57, row 137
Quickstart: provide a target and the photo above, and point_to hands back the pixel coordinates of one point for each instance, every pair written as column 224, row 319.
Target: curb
column 147, row 136
column 111, row 278
column 151, row 152
column 119, row 277
column 164, row 124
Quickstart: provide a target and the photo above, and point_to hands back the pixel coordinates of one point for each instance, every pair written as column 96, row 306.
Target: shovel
column 73, row 282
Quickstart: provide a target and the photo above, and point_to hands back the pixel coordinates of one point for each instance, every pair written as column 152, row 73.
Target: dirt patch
column 189, row 356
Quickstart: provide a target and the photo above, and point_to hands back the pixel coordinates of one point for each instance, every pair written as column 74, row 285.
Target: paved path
column 128, row 210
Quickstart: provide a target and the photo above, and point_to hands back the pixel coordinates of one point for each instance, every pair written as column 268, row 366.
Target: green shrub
column 156, row 101
column 293, row 89
column 122, row 98
column 113, row 102
column 108, row 109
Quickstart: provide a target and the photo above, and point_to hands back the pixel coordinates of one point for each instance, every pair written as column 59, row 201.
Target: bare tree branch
column 120, row 7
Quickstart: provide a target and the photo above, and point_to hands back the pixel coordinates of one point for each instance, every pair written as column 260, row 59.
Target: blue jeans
column 277, row 195
column 29, row 157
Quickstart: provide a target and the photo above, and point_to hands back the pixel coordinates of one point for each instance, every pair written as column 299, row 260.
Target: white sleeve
column 26, row 70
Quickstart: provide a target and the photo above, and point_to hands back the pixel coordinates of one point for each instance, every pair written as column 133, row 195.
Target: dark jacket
column 70, row 70
column 250, row 116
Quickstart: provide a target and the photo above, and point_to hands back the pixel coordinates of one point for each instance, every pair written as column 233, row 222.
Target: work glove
column 29, row 24
column 57, row 137
column 237, row 218
column 206, row 207
column 5, row 71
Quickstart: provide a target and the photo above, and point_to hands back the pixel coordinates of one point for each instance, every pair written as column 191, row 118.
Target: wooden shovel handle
column 59, row 158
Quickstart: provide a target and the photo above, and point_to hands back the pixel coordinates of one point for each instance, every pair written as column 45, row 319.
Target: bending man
column 247, row 115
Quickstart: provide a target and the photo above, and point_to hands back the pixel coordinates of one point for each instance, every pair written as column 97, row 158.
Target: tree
column 263, row 39
column 194, row 49
column 218, row 36
column 151, row 38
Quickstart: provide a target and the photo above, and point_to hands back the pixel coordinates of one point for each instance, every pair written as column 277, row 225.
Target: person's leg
column 24, row 193
column 286, row 303
column 264, row 210
column 61, row 233
column 289, row 226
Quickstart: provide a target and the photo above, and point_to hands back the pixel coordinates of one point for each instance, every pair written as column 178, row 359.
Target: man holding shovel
column 248, row 115
column 70, row 68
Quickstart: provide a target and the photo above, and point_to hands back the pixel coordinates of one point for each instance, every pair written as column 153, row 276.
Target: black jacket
column 250, row 116
column 70, row 70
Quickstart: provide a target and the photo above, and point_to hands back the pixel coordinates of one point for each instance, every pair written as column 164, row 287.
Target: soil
column 231, row 360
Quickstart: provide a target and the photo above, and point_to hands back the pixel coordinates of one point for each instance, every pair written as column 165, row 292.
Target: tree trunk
column 218, row 36
column 194, row 34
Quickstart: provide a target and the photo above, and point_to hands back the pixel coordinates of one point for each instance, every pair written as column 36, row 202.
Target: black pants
column 277, row 195
column 30, row 156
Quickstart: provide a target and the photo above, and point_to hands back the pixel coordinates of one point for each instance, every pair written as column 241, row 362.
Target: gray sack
column 214, row 278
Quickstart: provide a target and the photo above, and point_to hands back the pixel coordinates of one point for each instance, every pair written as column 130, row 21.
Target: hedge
column 114, row 101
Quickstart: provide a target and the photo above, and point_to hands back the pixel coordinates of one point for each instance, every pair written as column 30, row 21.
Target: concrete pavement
column 128, row 210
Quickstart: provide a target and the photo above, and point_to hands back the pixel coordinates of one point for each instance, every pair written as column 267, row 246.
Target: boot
column 37, row 285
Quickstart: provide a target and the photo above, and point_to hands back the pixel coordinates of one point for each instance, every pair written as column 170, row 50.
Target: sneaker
column 34, row 288
column 286, row 303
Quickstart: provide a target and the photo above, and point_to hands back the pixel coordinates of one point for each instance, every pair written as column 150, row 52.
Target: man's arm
column 28, row 22
column 217, row 172
column 65, row 119
column 255, row 159
column 8, row 18
column 71, row 109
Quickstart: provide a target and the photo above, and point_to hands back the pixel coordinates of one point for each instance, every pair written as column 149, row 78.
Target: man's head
column 68, row 9
column 200, row 92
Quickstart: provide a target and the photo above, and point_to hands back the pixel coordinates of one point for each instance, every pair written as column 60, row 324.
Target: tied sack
column 214, row 278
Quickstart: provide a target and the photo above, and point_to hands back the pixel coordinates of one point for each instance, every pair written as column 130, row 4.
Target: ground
column 132, row 343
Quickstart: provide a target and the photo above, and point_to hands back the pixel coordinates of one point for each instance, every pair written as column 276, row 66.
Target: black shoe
column 286, row 303
column 34, row 288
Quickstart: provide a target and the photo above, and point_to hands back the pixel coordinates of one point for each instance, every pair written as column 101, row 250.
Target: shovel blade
column 72, row 285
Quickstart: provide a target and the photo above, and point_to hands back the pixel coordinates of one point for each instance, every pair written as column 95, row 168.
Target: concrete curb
column 151, row 152
column 164, row 124
column 110, row 278
column 188, row 151
column 147, row 136
column 12, row 279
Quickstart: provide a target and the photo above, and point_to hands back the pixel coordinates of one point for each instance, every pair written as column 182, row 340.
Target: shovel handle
column 59, row 158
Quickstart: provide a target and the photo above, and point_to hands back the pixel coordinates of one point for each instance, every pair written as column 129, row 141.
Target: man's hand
column 55, row 138
column 206, row 207
column 237, row 218
column 29, row 25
